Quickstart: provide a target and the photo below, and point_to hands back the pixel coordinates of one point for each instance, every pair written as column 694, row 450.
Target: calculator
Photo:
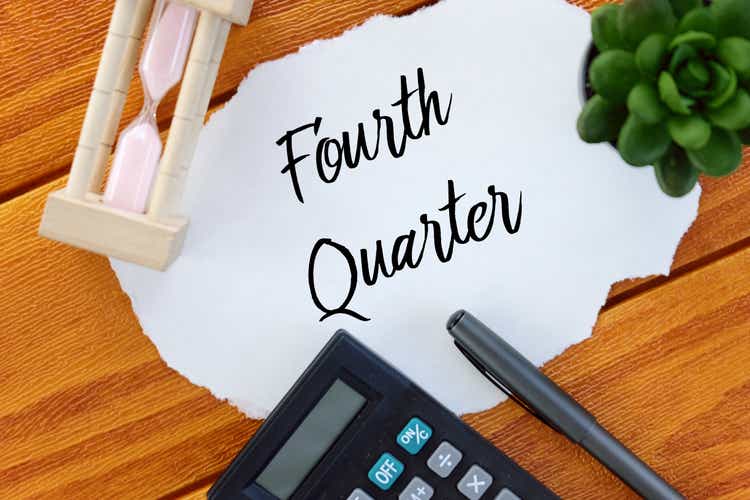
column 355, row 428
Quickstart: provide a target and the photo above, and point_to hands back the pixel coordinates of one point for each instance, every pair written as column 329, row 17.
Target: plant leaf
column 735, row 114
column 720, row 156
column 733, row 17
column 670, row 94
column 675, row 174
column 693, row 77
column 600, row 120
column 639, row 18
column 724, row 86
column 696, row 39
column 681, row 55
column 644, row 102
column 701, row 19
column 604, row 28
column 613, row 74
column 735, row 53
column 699, row 71
column 651, row 54
column 745, row 136
column 642, row 144
column 690, row 132
column 682, row 7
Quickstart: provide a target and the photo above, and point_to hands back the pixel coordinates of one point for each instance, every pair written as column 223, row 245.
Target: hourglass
column 137, row 216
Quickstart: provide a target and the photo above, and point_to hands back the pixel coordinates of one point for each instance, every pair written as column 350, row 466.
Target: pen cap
column 501, row 362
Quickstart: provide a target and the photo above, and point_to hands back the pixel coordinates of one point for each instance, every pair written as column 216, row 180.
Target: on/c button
column 414, row 436
column 386, row 471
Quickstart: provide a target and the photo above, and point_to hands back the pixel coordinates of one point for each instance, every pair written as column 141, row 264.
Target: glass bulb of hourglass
column 139, row 146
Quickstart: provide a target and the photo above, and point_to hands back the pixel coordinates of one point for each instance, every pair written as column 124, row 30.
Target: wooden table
column 89, row 410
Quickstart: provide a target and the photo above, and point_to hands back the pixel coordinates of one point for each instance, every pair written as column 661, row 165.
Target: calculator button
column 385, row 471
column 417, row 489
column 360, row 495
column 444, row 459
column 414, row 436
column 475, row 483
column 506, row 494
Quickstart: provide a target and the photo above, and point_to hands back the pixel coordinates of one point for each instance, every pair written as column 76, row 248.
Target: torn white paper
column 240, row 312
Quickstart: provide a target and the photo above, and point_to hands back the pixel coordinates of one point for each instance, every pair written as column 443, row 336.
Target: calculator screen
column 311, row 440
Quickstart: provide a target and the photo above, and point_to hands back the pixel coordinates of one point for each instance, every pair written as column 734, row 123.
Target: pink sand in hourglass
column 139, row 147
column 164, row 59
column 133, row 168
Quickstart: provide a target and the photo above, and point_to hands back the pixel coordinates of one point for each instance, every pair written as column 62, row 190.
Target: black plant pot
column 587, row 91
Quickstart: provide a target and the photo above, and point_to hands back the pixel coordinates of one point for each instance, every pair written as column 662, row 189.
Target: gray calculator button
column 359, row 495
column 416, row 490
column 506, row 494
column 444, row 459
column 475, row 483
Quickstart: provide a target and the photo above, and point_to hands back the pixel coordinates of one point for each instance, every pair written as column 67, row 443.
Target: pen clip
column 500, row 385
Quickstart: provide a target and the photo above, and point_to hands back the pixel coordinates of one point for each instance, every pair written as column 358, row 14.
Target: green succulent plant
column 671, row 87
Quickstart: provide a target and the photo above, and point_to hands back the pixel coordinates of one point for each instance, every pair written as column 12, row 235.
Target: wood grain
column 51, row 63
column 720, row 228
column 49, row 51
column 118, row 420
column 89, row 410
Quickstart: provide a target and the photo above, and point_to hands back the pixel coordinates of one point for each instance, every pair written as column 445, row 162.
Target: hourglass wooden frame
column 76, row 214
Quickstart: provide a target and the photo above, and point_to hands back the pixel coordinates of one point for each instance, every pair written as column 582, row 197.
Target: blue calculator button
column 385, row 471
column 414, row 436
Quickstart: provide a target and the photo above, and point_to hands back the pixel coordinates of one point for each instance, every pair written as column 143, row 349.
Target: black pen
column 524, row 383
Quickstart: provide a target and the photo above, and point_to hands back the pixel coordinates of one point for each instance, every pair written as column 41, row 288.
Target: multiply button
column 385, row 471
column 414, row 436
column 444, row 459
column 475, row 483
column 417, row 489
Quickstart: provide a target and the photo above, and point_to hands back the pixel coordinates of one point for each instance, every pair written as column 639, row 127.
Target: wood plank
column 89, row 409
column 659, row 369
column 44, row 93
column 117, row 414
column 50, row 52
column 722, row 226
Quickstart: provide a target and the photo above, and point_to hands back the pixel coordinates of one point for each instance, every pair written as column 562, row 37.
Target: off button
column 386, row 471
